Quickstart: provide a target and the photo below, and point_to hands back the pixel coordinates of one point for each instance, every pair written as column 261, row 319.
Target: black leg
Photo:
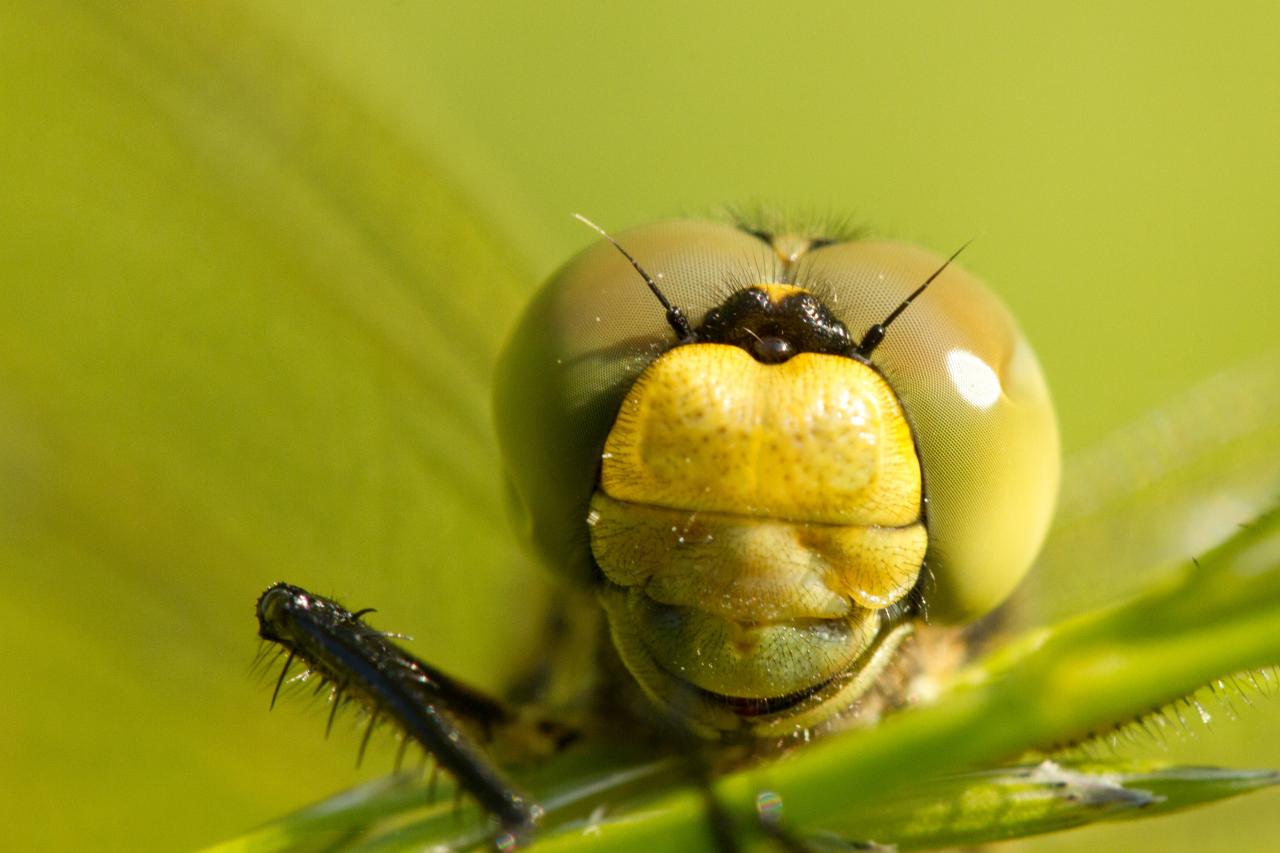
column 427, row 705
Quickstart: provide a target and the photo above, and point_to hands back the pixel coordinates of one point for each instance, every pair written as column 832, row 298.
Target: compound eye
column 979, row 409
column 581, row 343
column 771, row 349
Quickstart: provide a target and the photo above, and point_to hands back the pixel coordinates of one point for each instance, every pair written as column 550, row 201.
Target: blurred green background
column 258, row 258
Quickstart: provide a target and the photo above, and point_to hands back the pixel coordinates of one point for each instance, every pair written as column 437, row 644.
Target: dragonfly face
column 769, row 477
column 768, row 491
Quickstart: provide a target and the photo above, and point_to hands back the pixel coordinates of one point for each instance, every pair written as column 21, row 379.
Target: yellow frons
column 818, row 438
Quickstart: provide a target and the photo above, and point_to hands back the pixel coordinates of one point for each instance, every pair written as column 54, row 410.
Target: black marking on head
column 773, row 331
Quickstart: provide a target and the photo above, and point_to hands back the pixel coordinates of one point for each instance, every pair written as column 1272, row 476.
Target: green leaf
column 986, row 807
column 245, row 332
column 1015, row 802
column 1158, row 492
column 964, row 809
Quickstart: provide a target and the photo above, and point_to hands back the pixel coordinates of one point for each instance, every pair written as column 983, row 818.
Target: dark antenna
column 675, row 317
column 875, row 334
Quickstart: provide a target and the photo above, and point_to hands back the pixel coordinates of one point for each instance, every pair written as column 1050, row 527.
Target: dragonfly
column 923, row 337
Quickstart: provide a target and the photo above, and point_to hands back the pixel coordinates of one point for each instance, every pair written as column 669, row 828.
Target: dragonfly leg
column 440, row 713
